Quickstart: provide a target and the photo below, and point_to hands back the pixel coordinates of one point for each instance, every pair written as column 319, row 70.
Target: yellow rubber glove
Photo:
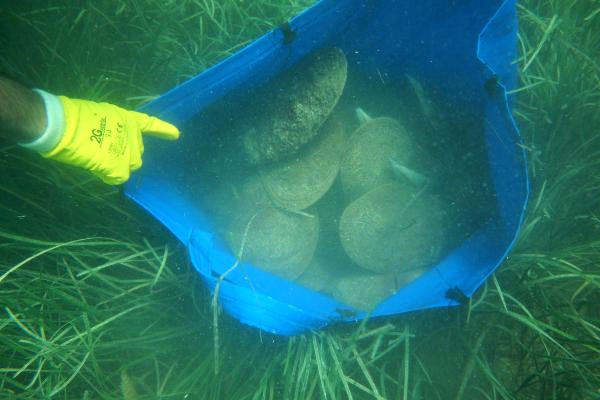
column 106, row 139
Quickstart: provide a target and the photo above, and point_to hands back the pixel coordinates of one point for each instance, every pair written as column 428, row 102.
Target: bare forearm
column 22, row 112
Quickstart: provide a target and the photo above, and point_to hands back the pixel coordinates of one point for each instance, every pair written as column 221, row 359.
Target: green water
column 91, row 285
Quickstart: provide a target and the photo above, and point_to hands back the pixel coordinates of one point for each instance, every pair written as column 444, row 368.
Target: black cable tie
column 288, row 34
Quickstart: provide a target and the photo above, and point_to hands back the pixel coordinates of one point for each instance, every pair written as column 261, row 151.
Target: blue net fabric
column 463, row 51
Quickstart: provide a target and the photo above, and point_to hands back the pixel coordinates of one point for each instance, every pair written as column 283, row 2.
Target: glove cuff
column 55, row 125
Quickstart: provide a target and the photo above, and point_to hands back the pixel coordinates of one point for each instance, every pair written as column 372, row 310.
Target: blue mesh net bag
column 359, row 160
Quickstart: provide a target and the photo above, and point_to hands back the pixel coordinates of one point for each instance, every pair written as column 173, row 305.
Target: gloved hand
column 105, row 139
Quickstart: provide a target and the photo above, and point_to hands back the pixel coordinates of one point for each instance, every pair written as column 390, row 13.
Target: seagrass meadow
column 99, row 301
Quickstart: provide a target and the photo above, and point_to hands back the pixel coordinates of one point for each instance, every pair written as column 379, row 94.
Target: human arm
column 100, row 137
column 22, row 112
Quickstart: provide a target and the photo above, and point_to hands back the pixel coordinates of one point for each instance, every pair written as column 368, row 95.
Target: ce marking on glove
column 98, row 134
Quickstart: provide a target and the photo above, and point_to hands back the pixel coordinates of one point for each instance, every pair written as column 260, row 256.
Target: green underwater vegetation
column 91, row 286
